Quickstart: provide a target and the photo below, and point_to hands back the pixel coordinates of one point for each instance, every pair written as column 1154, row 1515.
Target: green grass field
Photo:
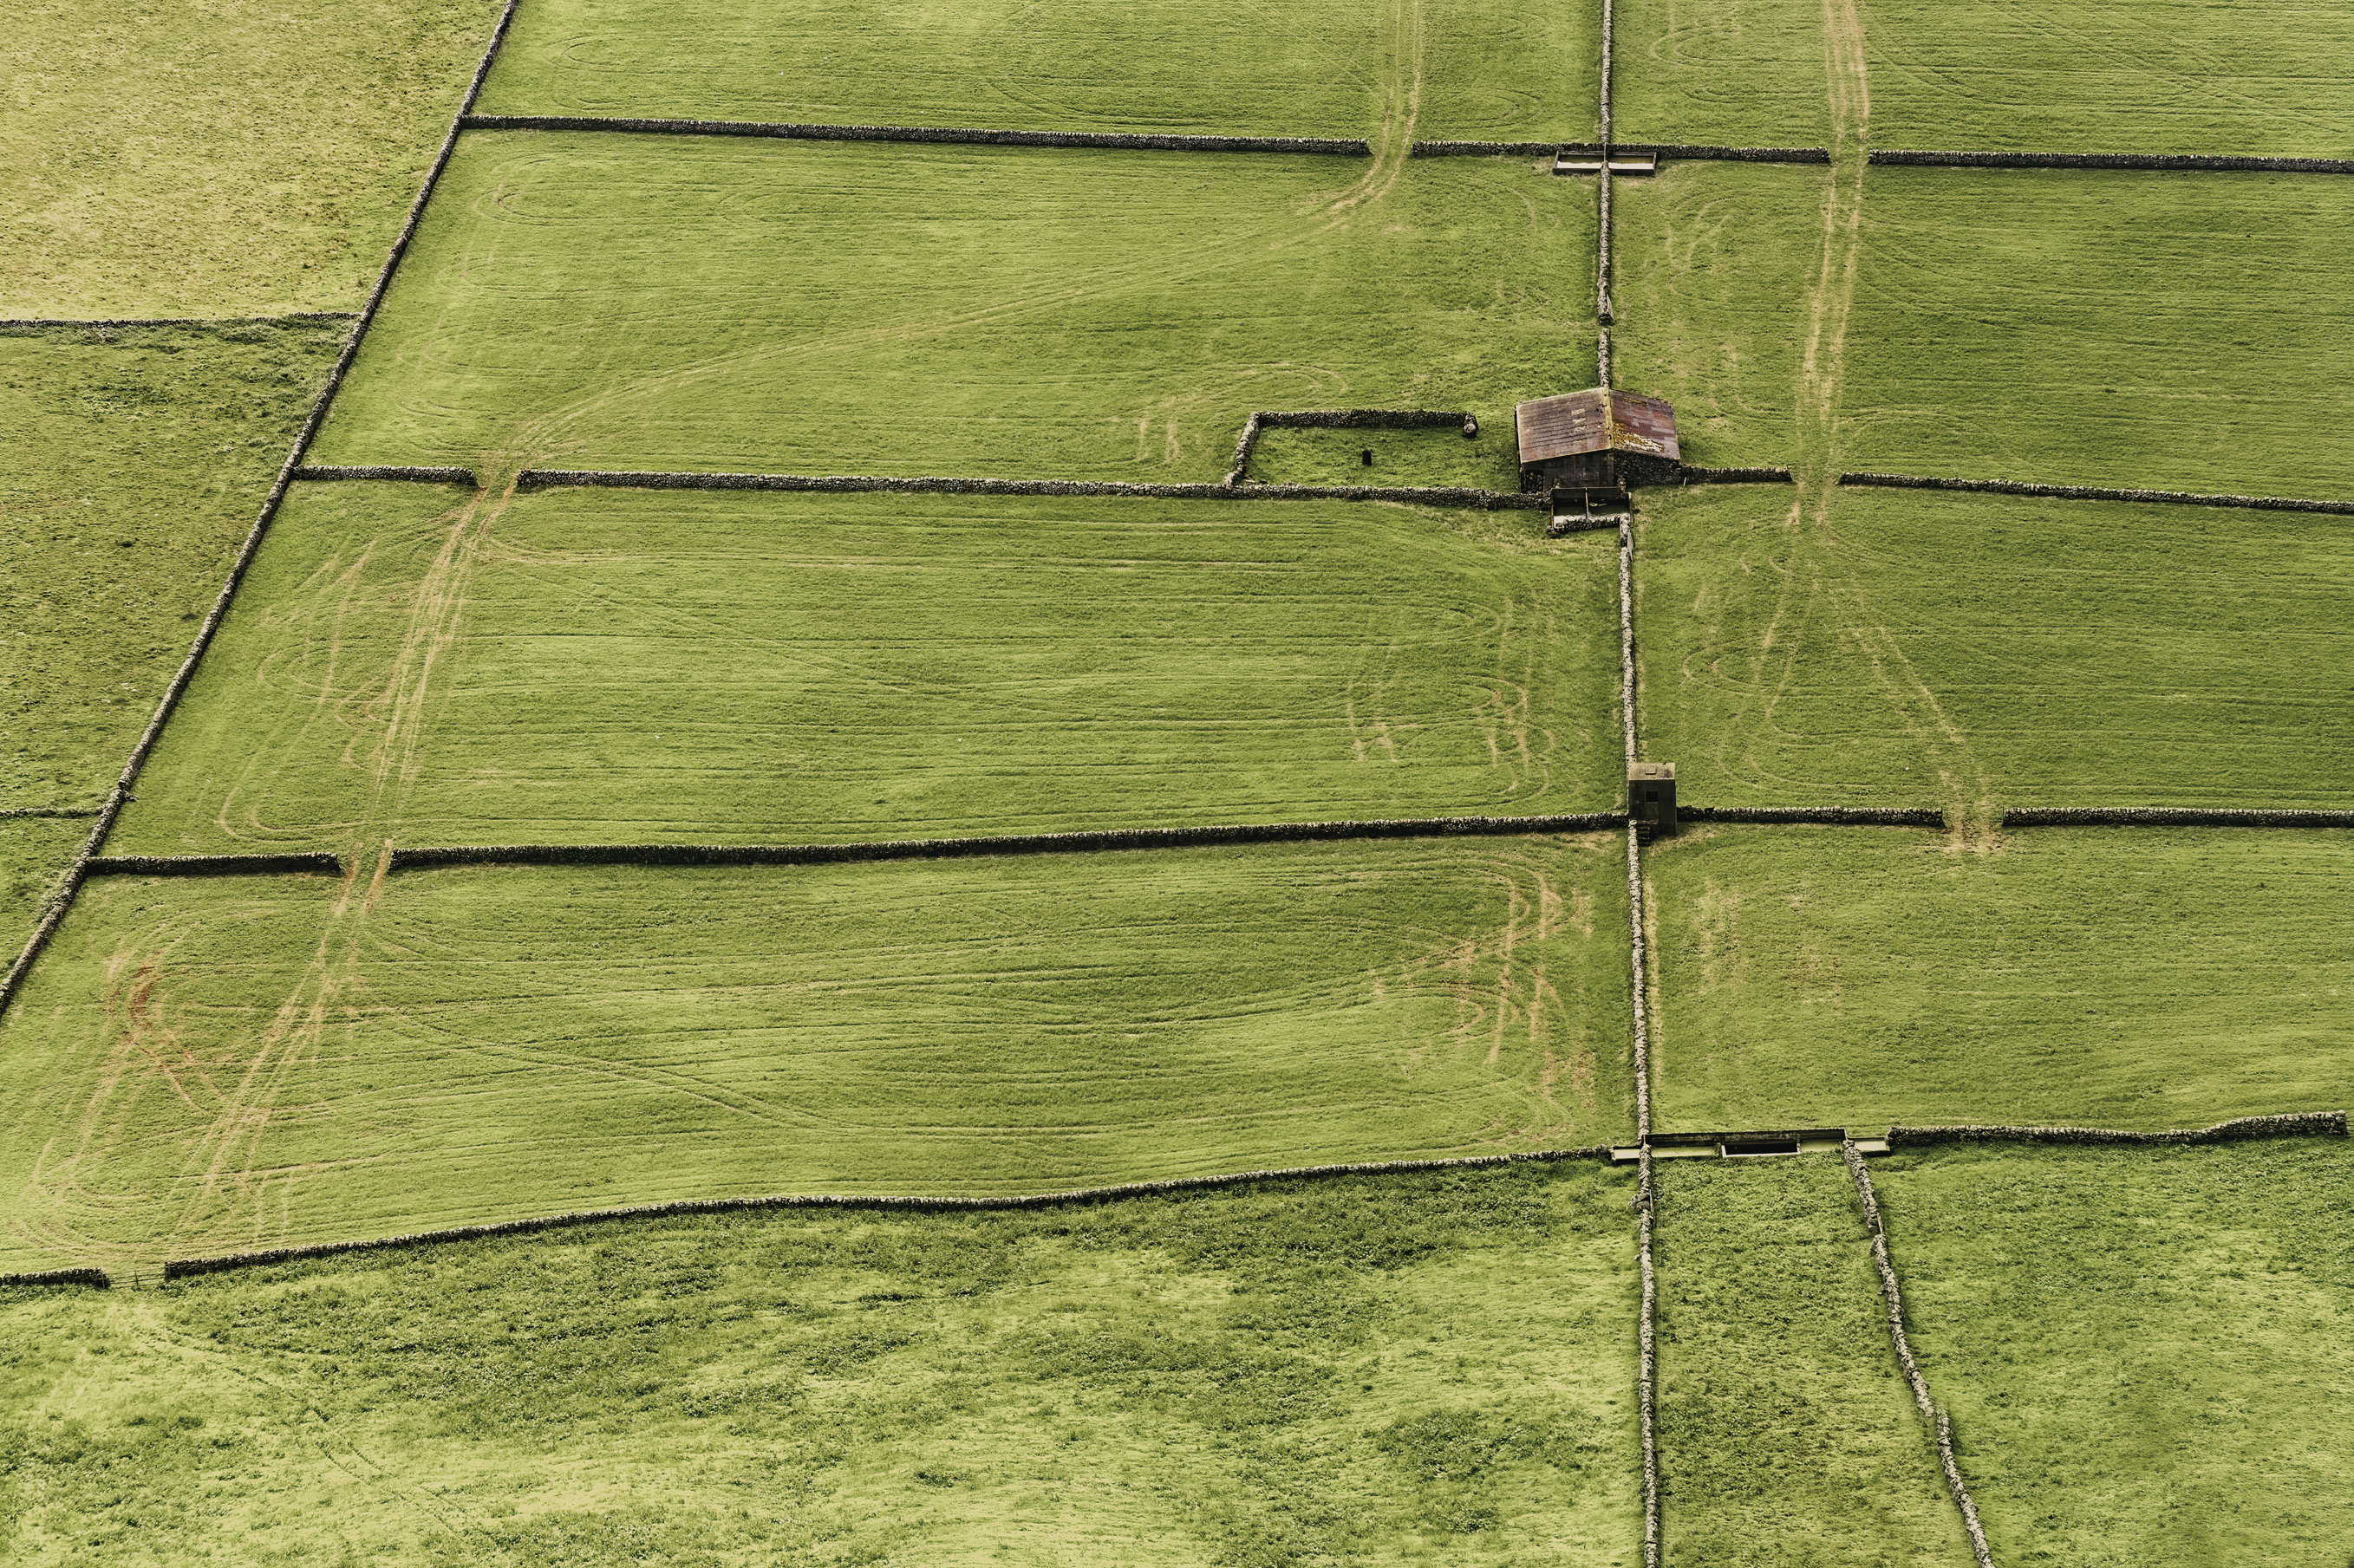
column 2128, row 978
column 681, row 302
column 1432, row 1369
column 2104, row 76
column 206, row 1064
column 1979, row 652
column 226, row 158
column 596, row 666
column 35, row 852
column 1449, row 67
column 1738, row 72
column 140, row 457
column 2148, row 1352
column 1786, row 1434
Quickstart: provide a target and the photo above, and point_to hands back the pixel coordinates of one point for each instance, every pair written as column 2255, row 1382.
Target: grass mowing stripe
column 2168, row 979
column 602, row 667
column 1323, row 68
column 2144, row 1350
column 2008, row 654
column 1786, row 1431
column 978, row 309
column 471, row 1045
column 1427, row 1368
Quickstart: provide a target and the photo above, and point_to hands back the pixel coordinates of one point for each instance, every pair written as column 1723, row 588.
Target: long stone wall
column 187, row 1267
column 212, row 865
column 2096, row 493
column 2172, row 817
column 96, row 1277
column 949, row 134
column 1638, row 149
column 1836, row 816
column 464, row 476
column 2187, row 161
column 1485, row 500
column 2291, row 1124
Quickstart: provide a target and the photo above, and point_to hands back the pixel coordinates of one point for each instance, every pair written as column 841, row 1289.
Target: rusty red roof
column 1594, row 421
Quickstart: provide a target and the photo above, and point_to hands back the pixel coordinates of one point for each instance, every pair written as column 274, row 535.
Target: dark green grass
column 2129, row 978
column 2104, row 76
column 228, row 158
column 1787, row 1433
column 1979, row 651
column 598, row 667
column 2148, row 1353
column 2103, row 328
column 138, row 460
column 1460, row 67
column 1490, row 460
column 208, row 1065
column 607, row 302
column 1743, row 72
column 1426, row 1368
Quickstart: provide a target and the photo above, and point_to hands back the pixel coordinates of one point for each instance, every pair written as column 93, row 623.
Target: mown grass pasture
column 1478, row 68
column 597, row 666
column 2102, row 76
column 139, row 457
column 2146, row 1352
column 2127, row 978
column 1980, row 652
column 2152, row 330
column 34, row 853
column 1428, row 1369
column 209, row 1065
column 230, row 158
column 599, row 300
column 1748, row 73
column 1787, row 1431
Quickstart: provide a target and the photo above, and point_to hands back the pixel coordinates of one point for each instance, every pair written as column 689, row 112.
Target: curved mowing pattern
column 606, row 667
column 1324, row 68
column 2146, row 981
column 468, row 1046
column 986, row 311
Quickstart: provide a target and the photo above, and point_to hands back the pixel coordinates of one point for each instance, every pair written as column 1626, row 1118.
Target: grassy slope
column 2112, row 76
column 614, row 301
column 2148, row 1352
column 1436, row 1370
column 1786, row 1432
column 33, row 853
column 206, row 1064
column 1741, row 73
column 1982, row 652
column 594, row 666
column 1985, row 337
column 222, row 158
column 2112, row 978
column 1481, row 67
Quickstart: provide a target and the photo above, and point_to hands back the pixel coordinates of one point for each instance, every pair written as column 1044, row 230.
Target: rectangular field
column 223, row 159
column 1482, row 68
column 596, row 301
column 2132, row 978
column 2147, row 1352
column 138, row 460
column 1979, row 652
column 1418, row 1369
column 1786, row 1432
column 2113, row 76
column 1738, row 72
column 598, row 666
column 206, row 1064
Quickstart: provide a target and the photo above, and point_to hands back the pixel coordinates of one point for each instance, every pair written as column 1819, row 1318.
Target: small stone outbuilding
column 1602, row 440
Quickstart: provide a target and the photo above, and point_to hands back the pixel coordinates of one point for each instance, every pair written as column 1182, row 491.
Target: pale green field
column 595, row 666
column 1982, row 332
column 140, row 459
column 201, row 1065
column 221, row 158
column 2128, row 978
column 2148, row 1353
column 681, row 303
column 1787, row 1433
column 1480, row 69
column 1737, row 72
column 2113, row 76
column 1979, row 652
column 1428, row 1370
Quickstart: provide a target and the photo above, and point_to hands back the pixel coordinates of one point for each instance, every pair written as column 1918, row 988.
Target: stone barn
column 1599, row 441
